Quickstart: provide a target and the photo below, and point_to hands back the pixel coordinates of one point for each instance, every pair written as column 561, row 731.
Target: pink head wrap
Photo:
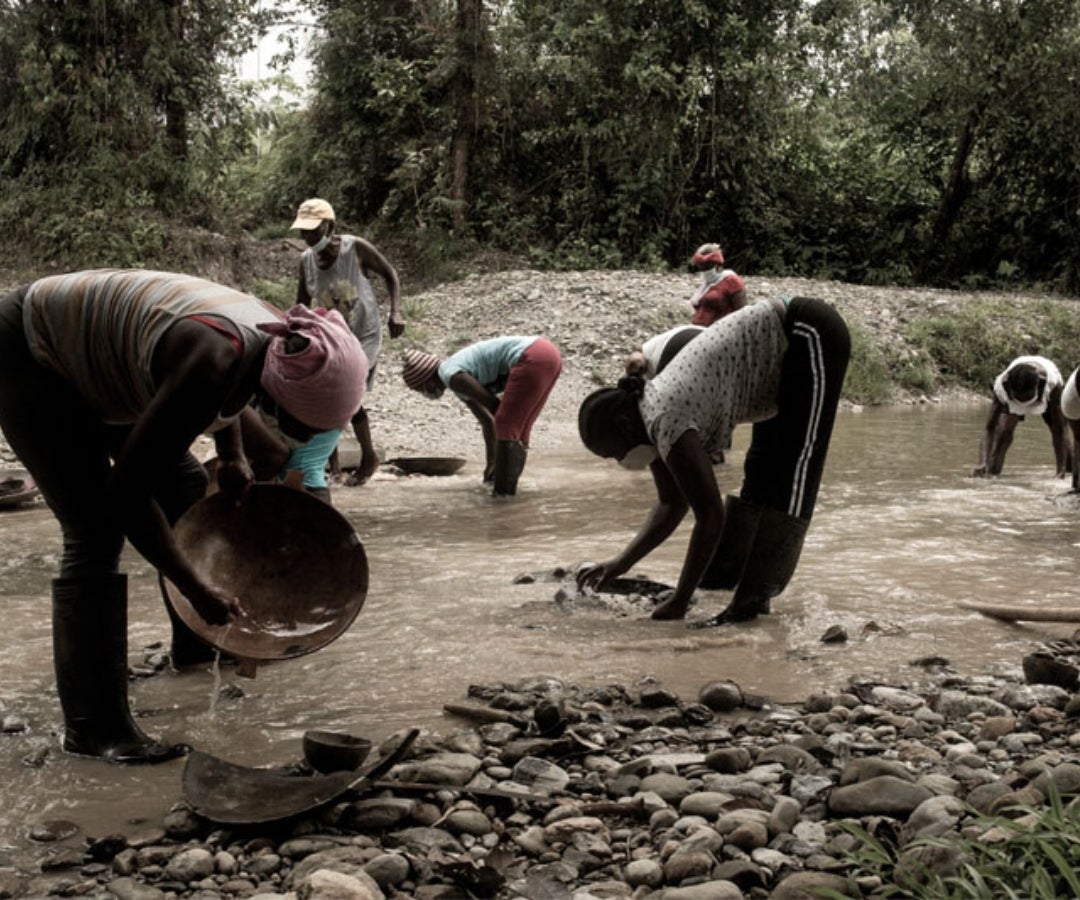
column 323, row 384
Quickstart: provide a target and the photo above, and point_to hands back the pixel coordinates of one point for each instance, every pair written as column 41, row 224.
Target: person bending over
column 778, row 364
column 1030, row 385
column 131, row 366
column 505, row 382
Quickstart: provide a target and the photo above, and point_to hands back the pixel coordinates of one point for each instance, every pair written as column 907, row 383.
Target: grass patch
column 279, row 294
column 868, row 380
column 976, row 340
column 1030, row 854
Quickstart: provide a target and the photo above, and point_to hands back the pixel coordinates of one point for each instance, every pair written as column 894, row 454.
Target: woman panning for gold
column 779, row 364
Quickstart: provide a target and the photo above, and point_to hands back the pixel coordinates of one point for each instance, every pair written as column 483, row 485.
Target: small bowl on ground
column 335, row 751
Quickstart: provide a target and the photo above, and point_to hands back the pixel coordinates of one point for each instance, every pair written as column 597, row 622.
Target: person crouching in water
column 779, row 364
column 505, row 382
column 1029, row 386
column 106, row 379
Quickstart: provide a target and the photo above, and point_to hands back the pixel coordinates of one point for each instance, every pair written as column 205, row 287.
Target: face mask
column 711, row 276
column 638, row 457
column 321, row 244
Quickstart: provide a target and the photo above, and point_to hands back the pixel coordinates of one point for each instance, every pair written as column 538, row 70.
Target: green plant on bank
column 916, row 374
column 413, row 309
column 1034, row 855
column 279, row 294
column 868, row 380
column 976, row 340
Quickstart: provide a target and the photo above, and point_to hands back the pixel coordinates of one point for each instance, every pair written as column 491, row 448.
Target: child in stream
column 778, row 364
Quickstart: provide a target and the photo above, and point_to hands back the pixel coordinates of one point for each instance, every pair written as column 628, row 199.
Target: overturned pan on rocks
column 224, row 792
column 293, row 561
column 428, row 465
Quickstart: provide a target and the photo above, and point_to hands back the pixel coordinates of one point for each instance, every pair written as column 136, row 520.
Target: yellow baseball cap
column 312, row 214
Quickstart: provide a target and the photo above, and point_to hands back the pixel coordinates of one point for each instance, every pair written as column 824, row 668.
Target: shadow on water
column 901, row 536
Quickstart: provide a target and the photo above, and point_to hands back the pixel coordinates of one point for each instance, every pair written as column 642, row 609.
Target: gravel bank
column 549, row 791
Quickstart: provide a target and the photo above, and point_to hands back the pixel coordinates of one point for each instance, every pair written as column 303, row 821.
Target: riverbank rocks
column 759, row 802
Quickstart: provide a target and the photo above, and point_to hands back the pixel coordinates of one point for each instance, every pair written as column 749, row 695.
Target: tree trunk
column 176, row 113
column 954, row 194
column 468, row 39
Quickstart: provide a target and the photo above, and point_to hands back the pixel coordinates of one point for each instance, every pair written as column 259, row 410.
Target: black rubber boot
column 509, row 464
column 740, row 525
column 90, row 656
column 187, row 648
column 769, row 567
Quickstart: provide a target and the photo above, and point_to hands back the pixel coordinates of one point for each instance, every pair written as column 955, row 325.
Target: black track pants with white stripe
column 783, row 466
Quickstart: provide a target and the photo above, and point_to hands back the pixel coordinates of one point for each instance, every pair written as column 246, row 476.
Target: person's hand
column 489, row 472
column 594, row 576
column 396, row 325
column 215, row 605
column 234, row 477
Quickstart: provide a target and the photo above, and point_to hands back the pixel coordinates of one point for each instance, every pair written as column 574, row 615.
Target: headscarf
column 417, row 367
column 323, row 384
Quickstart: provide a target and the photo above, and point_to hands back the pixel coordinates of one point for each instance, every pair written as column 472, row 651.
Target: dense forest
column 872, row 141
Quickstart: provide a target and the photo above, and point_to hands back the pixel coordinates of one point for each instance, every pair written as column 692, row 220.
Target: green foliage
column 119, row 119
column 1034, row 855
column 868, row 380
column 977, row 339
column 280, row 294
column 875, row 142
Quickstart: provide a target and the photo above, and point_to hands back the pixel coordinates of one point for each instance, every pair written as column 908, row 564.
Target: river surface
column 901, row 537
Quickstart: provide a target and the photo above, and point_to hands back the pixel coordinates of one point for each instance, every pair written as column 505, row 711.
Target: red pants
column 528, row 385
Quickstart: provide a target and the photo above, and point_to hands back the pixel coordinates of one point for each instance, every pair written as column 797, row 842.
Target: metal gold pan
column 240, row 795
column 295, row 563
column 428, row 465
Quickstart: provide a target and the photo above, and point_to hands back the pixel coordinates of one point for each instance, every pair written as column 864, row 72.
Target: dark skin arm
column 371, row 260
column 234, row 473
column 483, row 404
column 303, row 298
column 196, row 371
column 997, row 409
column 693, row 474
column 688, row 473
column 1059, row 433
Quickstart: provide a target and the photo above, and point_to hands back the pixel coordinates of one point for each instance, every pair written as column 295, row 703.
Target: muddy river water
column 901, row 537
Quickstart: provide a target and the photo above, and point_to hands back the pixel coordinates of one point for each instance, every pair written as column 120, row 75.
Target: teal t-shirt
column 312, row 457
column 487, row 361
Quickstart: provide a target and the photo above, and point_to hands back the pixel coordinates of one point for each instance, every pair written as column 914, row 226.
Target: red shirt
column 713, row 302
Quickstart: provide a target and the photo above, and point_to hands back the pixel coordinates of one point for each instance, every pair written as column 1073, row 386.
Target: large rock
column 451, row 769
column 885, row 795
